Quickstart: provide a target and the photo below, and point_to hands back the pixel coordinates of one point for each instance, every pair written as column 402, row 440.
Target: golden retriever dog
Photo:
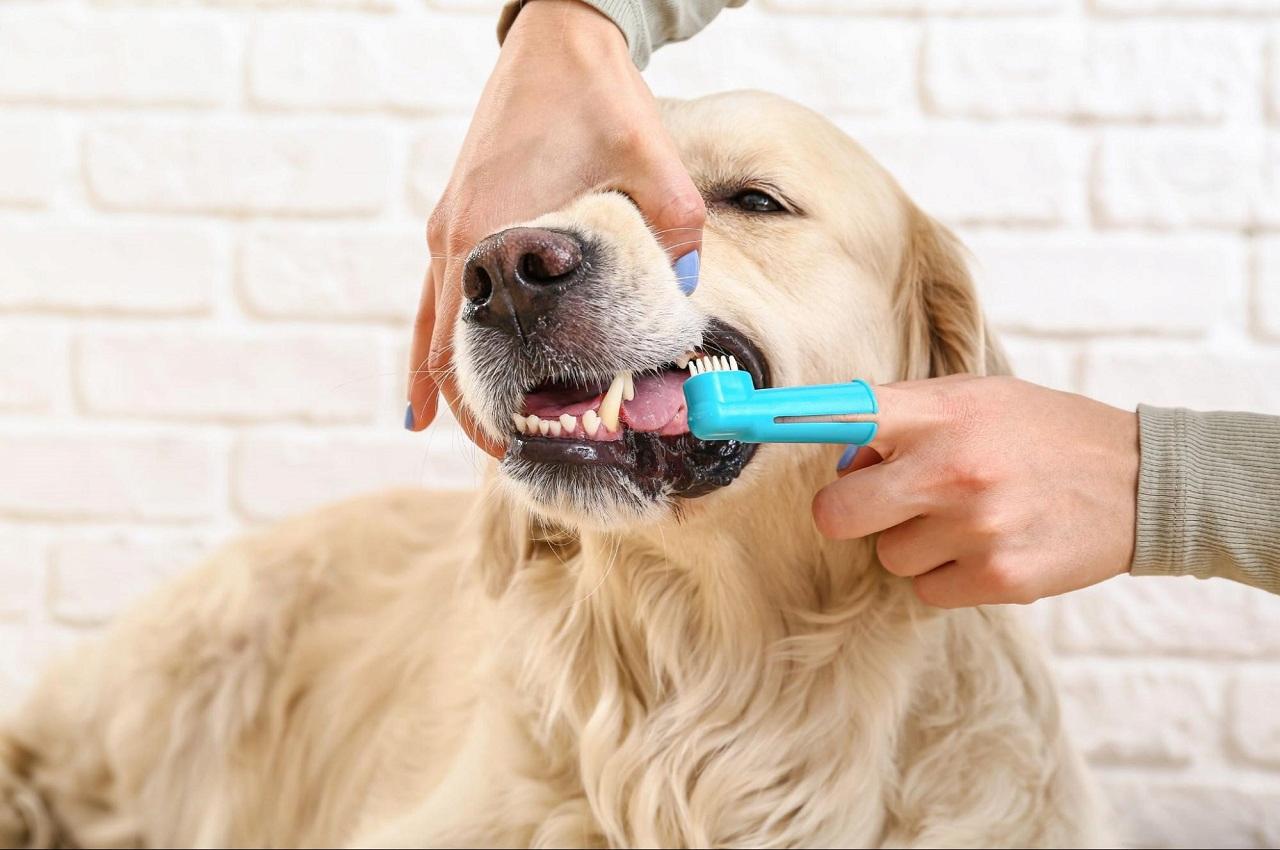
column 631, row 637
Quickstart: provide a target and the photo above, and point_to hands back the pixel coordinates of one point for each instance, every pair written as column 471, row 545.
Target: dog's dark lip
column 680, row 465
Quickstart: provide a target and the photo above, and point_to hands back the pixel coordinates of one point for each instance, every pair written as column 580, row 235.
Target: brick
column 902, row 7
column 1266, row 288
column 1086, row 283
column 431, row 160
column 1141, row 7
column 408, row 64
column 980, row 174
column 1048, row 363
column 290, row 5
column 1158, row 812
column 1167, row 179
column 1138, row 714
column 91, row 579
column 1254, row 725
column 278, row 474
column 225, row 166
column 63, row 55
column 333, row 273
column 1169, row 616
column 33, row 366
column 1131, row 72
column 1171, row 375
column 832, row 64
column 153, row 269
column 82, row 474
column 224, row 375
column 22, row 569
column 33, row 151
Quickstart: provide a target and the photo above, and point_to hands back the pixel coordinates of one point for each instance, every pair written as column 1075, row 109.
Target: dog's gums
column 635, row 424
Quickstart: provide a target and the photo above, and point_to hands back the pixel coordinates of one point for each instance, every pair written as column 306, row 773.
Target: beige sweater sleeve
column 647, row 24
column 1209, row 496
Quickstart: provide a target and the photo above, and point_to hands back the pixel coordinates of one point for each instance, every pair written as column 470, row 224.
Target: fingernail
column 847, row 458
column 408, row 417
column 687, row 272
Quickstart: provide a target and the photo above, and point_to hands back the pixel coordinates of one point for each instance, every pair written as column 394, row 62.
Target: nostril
column 548, row 263
column 478, row 286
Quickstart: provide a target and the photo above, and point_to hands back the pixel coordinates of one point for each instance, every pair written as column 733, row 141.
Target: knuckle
column 889, row 551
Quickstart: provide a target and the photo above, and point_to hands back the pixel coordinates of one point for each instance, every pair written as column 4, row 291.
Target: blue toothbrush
column 724, row 405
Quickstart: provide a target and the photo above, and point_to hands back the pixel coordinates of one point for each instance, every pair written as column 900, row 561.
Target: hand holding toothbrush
column 990, row 490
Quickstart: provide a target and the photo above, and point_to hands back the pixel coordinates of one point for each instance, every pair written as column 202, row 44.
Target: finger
column 869, row 500
column 671, row 204
column 423, row 391
column 467, row 420
column 863, row 457
column 909, row 410
column 954, row 585
column 918, row 545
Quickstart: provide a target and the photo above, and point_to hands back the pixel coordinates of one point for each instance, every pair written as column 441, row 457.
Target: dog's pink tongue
column 659, row 404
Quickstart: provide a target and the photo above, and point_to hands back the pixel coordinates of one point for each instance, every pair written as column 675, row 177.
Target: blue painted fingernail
column 408, row 417
column 687, row 272
column 847, row 458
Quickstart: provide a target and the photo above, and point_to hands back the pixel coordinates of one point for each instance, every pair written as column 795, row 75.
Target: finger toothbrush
column 724, row 404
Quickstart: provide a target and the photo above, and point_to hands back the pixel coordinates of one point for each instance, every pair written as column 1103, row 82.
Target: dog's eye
column 755, row 201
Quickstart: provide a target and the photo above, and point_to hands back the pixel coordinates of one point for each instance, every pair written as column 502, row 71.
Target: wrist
column 566, row 26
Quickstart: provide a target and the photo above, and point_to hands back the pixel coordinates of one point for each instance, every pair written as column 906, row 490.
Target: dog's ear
column 937, row 307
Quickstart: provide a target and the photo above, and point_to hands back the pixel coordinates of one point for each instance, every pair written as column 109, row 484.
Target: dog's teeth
column 554, row 427
column 531, row 423
column 568, row 423
column 590, row 423
column 543, row 427
column 682, row 361
column 628, row 387
column 612, row 402
column 519, row 420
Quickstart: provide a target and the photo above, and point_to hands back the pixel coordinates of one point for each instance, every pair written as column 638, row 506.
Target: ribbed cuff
column 628, row 15
column 1209, row 496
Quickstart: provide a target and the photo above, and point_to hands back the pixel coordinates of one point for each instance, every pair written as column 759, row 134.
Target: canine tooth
column 519, row 420
column 628, row 387
column 591, row 422
column 682, row 361
column 568, row 423
column 612, row 403
column 531, row 422
column 544, row 426
column 555, row 428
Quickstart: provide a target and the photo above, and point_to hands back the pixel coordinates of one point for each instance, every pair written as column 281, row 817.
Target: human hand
column 991, row 490
column 565, row 113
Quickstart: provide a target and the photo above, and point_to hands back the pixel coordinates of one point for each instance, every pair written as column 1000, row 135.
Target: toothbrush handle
column 765, row 407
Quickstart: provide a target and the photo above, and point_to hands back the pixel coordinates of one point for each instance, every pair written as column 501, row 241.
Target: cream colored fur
column 424, row 670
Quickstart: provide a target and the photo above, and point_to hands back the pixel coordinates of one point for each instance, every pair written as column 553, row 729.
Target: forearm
column 1209, row 496
column 647, row 24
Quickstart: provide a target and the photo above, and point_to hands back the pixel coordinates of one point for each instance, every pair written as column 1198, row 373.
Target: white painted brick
column 1157, row 812
column 334, row 273
column 152, row 269
column 900, row 7
column 241, row 167
column 431, row 160
column 1170, row 616
column 1086, row 283
column 1183, row 375
column 93, row 578
column 85, row 474
column 1153, row 71
column 64, row 55
column 1135, row 7
column 1048, row 363
column 828, row 63
column 1254, row 721
column 296, row 6
column 1134, row 715
column 32, row 154
column 22, row 569
column 33, row 366
column 1167, row 179
column 982, row 174
column 1266, row 288
column 276, row 475
column 340, row 63
column 317, row 376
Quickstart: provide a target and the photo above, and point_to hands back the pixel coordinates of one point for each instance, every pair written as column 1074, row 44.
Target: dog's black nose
column 513, row 279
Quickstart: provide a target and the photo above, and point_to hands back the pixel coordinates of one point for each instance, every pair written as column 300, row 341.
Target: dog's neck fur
column 676, row 686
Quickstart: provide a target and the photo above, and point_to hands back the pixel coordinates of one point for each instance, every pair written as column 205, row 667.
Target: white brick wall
column 211, row 217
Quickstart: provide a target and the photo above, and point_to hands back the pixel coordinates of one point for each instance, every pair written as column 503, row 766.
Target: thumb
column 672, row 205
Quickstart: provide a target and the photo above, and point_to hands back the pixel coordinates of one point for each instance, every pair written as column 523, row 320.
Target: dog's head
column 816, row 268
